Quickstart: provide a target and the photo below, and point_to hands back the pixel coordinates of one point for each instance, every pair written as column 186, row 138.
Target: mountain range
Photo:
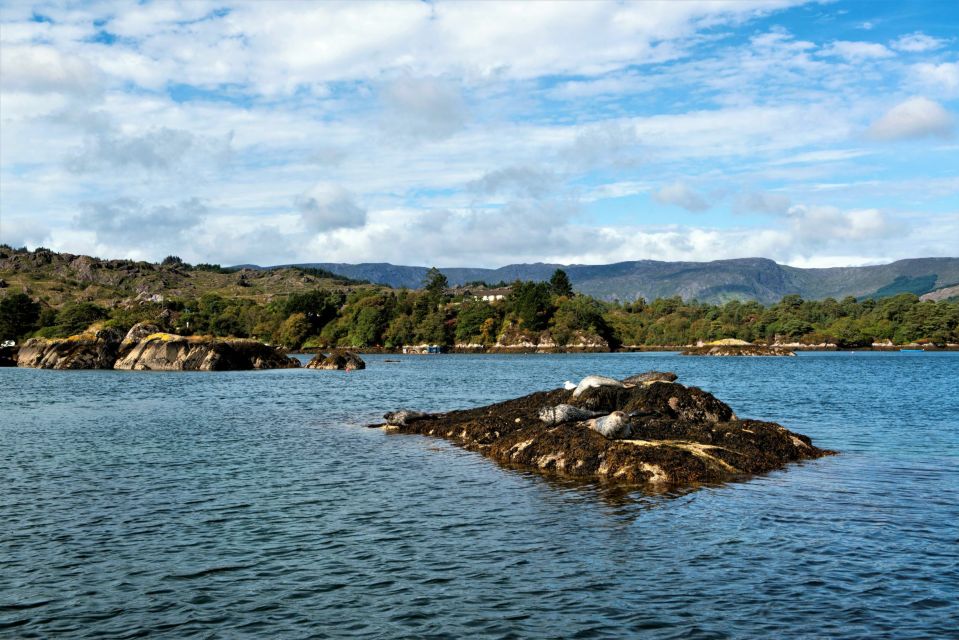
column 716, row 282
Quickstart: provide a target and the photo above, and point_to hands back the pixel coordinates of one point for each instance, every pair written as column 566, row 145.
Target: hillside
column 715, row 282
column 59, row 277
column 56, row 278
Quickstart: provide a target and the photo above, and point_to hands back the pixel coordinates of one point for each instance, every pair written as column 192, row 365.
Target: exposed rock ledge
column 723, row 348
column 170, row 352
column 145, row 348
column 665, row 434
column 339, row 360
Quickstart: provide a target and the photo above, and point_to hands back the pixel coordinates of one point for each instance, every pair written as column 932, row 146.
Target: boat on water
column 913, row 350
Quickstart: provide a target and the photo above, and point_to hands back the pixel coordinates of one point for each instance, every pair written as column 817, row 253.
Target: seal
column 565, row 413
column 614, row 426
column 403, row 417
column 596, row 381
column 651, row 376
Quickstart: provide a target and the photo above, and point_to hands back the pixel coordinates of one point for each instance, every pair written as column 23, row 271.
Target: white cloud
column 680, row 195
column 761, row 202
column 156, row 149
column 43, row 69
column 525, row 182
column 326, row 207
column 914, row 118
column 126, row 221
column 828, row 224
column 917, row 42
column 428, row 108
column 857, row 51
column 943, row 77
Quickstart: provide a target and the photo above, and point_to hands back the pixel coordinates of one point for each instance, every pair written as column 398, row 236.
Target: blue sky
column 813, row 133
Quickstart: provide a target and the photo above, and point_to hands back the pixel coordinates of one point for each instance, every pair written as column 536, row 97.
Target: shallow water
column 254, row 504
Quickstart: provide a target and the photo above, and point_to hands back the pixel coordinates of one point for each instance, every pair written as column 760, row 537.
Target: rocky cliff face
column 170, row 352
column 518, row 340
column 144, row 348
column 92, row 350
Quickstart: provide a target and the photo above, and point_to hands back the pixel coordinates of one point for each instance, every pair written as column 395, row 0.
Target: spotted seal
column 590, row 382
column 565, row 413
column 614, row 426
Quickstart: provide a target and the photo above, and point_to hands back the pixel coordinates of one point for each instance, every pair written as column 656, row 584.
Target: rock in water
column 651, row 376
column 91, row 350
column 403, row 417
column 590, row 382
column 615, row 426
column 339, row 360
column 170, row 352
column 658, row 434
column 565, row 413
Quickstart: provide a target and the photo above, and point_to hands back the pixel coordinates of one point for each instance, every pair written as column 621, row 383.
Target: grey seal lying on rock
column 565, row 413
column 614, row 426
column 596, row 381
column 403, row 417
column 651, row 376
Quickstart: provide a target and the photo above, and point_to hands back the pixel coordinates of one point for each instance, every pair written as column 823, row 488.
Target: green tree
column 579, row 314
column 470, row 319
column 532, row 304
column 560, row 285
column 19, row 315
column 75, row 317
column 294, row 331
column 434, row 287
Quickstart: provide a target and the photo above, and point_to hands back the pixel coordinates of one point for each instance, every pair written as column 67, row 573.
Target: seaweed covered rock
column 340, row 360
column 96, row 349
column 171, row 352
column 656, row 433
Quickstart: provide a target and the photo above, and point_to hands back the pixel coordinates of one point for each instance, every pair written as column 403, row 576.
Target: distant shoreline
column 631, row 349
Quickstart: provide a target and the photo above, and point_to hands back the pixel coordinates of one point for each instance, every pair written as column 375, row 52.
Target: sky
column 481, row 134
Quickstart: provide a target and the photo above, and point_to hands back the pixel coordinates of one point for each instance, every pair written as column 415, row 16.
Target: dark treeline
column 382, row 317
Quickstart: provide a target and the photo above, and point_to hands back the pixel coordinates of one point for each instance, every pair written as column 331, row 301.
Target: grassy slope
column 59, row 278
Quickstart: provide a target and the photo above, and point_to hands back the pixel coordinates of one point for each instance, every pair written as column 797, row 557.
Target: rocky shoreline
column 644, row 430
column 146, row 348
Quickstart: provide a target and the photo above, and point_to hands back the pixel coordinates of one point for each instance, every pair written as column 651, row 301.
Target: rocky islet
column 653, row 431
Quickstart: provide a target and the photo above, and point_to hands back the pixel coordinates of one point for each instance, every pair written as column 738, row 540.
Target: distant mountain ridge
column 718, row 281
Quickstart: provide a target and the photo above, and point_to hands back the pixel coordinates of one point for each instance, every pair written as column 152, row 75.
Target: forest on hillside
column 383, row 317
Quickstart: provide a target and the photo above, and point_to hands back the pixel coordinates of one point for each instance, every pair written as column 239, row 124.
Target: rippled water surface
column 255, row 504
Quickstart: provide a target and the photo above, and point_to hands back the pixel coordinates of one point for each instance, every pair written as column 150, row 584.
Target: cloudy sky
column 455, row 134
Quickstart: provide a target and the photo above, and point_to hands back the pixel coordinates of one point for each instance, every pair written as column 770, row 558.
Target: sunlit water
column 256, row 504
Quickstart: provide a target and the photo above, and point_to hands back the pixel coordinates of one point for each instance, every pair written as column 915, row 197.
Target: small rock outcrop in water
column 337, row 360
column 92, row 350
column 170, row 352
column 737, row 348
column 655, row 432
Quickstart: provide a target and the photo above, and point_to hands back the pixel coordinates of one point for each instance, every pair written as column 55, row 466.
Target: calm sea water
column 255, row 504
